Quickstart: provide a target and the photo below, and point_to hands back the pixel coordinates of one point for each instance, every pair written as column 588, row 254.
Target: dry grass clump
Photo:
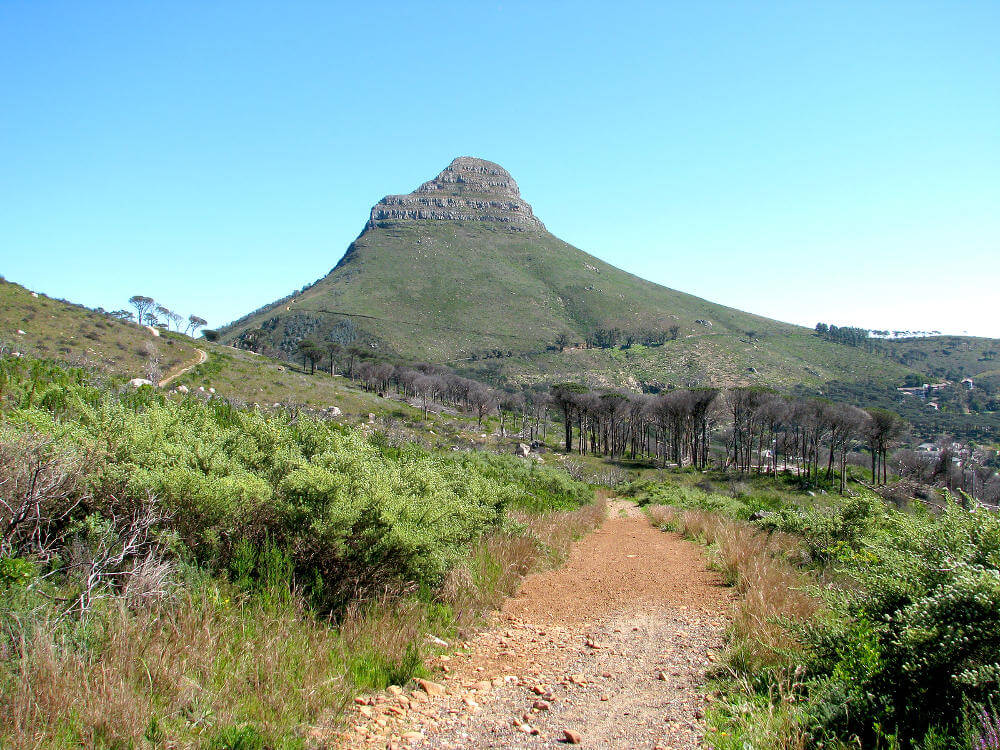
column 773, row 593
column 663, row 516
column 557, row 530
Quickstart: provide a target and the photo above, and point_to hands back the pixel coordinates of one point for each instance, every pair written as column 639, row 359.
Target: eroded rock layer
column 468, row 189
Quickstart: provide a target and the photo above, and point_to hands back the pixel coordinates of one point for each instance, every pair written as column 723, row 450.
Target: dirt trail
column 614, row 645
column 202, row 356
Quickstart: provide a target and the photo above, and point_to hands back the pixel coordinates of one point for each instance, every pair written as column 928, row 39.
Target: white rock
column 182, row 389
column 20, row 332
column 152, row 331
column 139, row 382
column 334, row 411
column 35, row 295
column 211, row 390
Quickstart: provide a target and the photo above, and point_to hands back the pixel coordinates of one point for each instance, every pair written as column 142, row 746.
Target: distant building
column 967, row 382
column 925, row 390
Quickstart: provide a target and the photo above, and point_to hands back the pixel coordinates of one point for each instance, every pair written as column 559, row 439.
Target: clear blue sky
column 834, row 161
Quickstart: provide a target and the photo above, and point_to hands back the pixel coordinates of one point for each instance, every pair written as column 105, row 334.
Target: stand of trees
column 523, row 413
column 609, row 338
column 849, row 336
column 761, row 430
column 149, row 312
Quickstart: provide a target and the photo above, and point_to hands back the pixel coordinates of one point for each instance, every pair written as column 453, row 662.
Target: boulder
column 139, row 382
column 334, row 411
column 523, row 450
column 182, row 389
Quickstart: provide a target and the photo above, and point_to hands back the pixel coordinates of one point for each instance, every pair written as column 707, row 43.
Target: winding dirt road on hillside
column 202, row 356
column 613, row 647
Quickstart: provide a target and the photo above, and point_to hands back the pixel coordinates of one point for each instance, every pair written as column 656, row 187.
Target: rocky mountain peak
column 468, row 189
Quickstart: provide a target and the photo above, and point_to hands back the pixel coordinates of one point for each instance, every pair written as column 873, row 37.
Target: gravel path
column 613, row 647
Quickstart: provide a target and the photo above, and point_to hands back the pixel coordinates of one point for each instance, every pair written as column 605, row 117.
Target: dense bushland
column 175, row 569
column 860, row 624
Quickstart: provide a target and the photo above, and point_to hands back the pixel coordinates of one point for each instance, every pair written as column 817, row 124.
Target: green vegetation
column 174, row 569
column 861, row 624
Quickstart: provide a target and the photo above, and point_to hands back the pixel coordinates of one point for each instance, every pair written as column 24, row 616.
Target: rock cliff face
column 467, row 190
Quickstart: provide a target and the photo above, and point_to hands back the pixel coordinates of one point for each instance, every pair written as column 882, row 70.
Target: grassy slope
column 443, row 291
column 255, row 379
column 73, row 333
column 779, row 361
column 940, row 355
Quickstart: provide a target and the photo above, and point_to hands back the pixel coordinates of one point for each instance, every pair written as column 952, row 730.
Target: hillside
column 951, row 357
column 36, row 325
column 460, row 271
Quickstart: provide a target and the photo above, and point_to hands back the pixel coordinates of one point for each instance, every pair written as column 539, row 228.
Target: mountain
column 461, row 271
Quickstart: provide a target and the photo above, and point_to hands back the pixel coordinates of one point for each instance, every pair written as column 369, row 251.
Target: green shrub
column 918, row 643
column 349, row 511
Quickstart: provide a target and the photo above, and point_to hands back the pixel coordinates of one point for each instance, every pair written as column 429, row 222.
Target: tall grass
column 183, row 669
column 774, row 594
